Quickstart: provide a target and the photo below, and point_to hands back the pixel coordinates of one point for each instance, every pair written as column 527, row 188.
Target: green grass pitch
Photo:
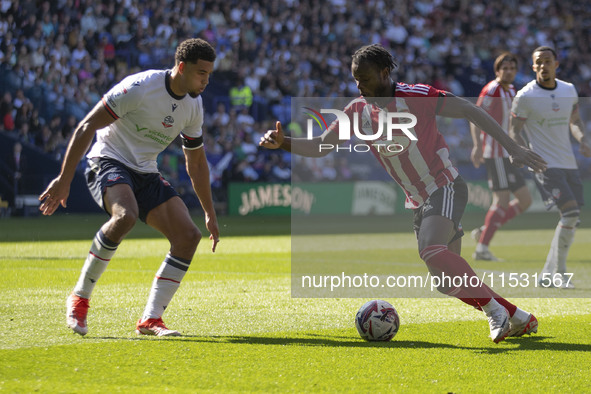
column 244, row 332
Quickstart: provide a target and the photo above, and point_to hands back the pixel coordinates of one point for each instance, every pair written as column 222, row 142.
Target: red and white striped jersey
column 423, row 166
column 495, row 100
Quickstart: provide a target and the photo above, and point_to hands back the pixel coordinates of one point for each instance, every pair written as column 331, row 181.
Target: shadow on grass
column 298, row 341
column 522, row 344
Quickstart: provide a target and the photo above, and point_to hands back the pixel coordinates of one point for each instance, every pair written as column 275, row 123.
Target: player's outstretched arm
column 456, row 107
column 58, row 190
column 315, row 147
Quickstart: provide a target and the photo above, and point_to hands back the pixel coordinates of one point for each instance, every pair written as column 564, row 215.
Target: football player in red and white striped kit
column 503, row 178
column 434, row 189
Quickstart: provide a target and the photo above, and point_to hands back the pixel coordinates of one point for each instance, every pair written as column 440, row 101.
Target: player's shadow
column 538, row 342
column 336, row 341
column 512, row 344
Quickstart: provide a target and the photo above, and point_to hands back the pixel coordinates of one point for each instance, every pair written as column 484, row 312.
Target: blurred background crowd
column 58, row 58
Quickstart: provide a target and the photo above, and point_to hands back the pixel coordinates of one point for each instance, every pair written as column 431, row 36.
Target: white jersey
column 547, row 114
column 149, row 116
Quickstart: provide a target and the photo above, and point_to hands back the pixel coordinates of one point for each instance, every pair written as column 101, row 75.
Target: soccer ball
column 377, row 320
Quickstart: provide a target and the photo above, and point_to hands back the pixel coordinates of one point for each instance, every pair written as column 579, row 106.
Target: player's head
column 194, row 49
column 371, row 68
column 544, row 64
column 194, row 60
column 505, row 68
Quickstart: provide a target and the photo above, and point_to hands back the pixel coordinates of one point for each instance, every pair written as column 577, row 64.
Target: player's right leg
column 172, row 219
column 119, row 201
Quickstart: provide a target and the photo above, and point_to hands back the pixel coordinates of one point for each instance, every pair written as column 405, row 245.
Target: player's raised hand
column 57, row 193
column 273, row 138
column 526, row 157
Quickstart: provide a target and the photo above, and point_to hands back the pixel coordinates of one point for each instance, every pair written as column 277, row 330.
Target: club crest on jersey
column 168, row 121
column 555, row 106
column 113, row 177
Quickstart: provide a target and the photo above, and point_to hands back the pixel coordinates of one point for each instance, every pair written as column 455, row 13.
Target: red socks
column 456, row 278
column 495, row 218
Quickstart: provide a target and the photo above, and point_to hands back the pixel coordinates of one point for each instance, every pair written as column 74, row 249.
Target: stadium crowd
column 58, row 58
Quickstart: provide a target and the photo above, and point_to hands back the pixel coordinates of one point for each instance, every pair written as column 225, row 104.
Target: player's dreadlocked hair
column 377, row 55
column 194, row 49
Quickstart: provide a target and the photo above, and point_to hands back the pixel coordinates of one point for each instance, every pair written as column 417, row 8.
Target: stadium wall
column 38, row 170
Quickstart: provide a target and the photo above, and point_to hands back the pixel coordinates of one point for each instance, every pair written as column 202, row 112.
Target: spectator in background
column 220, row 117
column 240, row 94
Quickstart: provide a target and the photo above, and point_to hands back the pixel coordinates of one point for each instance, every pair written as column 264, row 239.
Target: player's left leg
column 504, row 179
column 568, row 194
column 439, row 227
column 492, row 222
column 172, row 219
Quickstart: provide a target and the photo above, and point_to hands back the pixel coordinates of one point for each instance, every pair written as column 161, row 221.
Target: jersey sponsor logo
column 138, row 128
column 168, row 121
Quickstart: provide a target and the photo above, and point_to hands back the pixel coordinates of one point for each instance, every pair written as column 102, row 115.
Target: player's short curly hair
column 545, row 48
column 193, row 49
column 376, row 54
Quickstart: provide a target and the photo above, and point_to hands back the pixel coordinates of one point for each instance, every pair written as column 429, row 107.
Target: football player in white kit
column 548, row 110
column 135, row 121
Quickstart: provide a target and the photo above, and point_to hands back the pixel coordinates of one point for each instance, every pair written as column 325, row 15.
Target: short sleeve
column 519, row 108
column 192, row 134
column 123, row 97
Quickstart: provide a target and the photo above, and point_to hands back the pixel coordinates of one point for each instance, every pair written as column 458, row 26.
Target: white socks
column 165, row 284
column 491, row 306
column 101, row 252
column 563, row 239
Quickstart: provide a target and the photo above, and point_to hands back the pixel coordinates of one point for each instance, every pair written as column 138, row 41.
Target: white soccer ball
column 377, row 320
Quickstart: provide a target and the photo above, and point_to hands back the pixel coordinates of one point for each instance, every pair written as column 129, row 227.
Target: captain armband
column 192, row 142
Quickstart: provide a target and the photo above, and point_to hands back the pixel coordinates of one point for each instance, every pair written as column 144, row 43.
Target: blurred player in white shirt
column 547, row 108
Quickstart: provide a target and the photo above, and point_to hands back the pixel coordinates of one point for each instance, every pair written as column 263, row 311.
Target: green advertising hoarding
column 346, row 198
